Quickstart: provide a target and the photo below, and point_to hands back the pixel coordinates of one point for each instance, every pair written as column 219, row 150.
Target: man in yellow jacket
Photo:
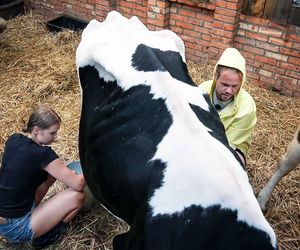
column 235, row 105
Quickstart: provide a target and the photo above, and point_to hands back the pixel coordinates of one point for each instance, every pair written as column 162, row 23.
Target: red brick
column 188, row 39
column 285, row 80
column 232, row 1
column 214, row 50
column 228, row 27
column 184, row 25
column 252, row 75
column 191, row 33
column 256, row 20
column 238, row 46
column 244, row 40
column 193, row 46
column 218, row 24
column 289, row 66
column 256, row 64
column 269, row 80
column 267, row 46
column 294, row 37
column 273, row 69
column 177, row 30
column 296, row 46
column 179, row 18
column 223, row 33
column 203, row 30
column 127, row 4
column 269, row 31
column 89, row 6
column 294, row 60
column 290, row 88
column 224, row 18
column 233, row 6
column 194, row 21
column 265, row 73
column 203, row 43
column 207, row 25
column 290, row 52
column 226, row 40
column 205, row 18
column 152, row 2
column 256, row 36
column 253, row 50
column 266, row 60
column 185, row 12
column 247, row 55
column 293, row 74
column 206, row 37
column 221, row 3
column 162, row 4
column 225, row 12
column 280, row 42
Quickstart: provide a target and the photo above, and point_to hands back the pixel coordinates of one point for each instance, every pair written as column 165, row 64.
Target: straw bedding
column 38, row 67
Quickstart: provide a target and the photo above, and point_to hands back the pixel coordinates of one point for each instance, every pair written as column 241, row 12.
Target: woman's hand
column 69, row 177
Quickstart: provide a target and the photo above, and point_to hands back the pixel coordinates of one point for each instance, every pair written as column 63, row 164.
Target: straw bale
column 38, row 67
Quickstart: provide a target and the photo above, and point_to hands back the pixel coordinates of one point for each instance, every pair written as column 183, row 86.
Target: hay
column 38, row 67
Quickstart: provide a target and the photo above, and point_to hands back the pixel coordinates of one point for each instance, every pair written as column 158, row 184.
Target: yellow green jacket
column 239, row 117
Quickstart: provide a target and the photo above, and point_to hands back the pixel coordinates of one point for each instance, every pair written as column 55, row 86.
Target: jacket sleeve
column 239, row 134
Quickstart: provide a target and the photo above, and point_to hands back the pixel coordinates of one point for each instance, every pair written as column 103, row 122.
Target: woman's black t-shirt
column 21, row 173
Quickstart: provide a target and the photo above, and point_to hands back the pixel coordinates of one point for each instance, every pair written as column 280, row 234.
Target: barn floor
column 38, row 67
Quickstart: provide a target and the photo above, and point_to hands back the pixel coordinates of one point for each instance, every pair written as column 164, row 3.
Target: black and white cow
column 153, row 149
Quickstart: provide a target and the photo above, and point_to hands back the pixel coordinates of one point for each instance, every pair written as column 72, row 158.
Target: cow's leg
column 289, row 162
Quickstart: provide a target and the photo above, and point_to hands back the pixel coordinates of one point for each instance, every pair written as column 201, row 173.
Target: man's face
column 228, row 84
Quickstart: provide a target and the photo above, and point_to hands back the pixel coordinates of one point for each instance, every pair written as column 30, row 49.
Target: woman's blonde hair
column 43, row 117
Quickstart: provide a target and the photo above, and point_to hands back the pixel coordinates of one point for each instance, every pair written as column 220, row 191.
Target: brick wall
column 272, row 51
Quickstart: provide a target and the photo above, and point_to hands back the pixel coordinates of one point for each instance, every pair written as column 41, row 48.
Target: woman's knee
column 78, row 198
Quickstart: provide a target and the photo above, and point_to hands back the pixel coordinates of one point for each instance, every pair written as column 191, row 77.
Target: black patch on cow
column 119, row 134
column 298, row 136
column 212, row 120
column 149, row 59
column 197, row 228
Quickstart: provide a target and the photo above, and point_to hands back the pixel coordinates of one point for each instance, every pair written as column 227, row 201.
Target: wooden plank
column 277, row 10
column 282, row 12
column 295, row 15
column 246, row 8
column 270, row 7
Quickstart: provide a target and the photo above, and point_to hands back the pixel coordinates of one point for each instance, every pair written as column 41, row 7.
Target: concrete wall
column 272, row 51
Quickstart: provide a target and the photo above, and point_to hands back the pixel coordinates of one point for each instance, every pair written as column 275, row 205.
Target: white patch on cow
column 209, row 166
